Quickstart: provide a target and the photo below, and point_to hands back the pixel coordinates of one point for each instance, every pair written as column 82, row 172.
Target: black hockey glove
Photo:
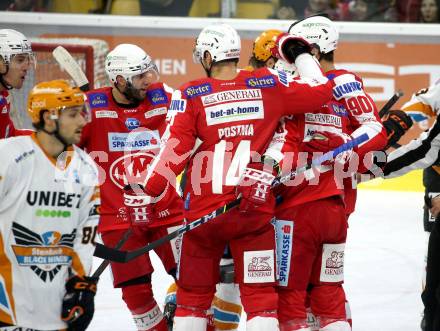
column 396, row 122
column 78, row 302
column 288, row 47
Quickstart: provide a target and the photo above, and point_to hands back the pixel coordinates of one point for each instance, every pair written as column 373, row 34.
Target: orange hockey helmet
column 54, row 96
column 264, row 43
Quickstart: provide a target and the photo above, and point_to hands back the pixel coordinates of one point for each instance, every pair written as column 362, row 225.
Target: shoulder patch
column 261, row 82
column 197, row 90
column 157, row 96
column 178, row 105
column 97, row 100
column 282, row 76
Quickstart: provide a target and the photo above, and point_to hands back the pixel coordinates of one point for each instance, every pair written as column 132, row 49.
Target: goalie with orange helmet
column 16, row 59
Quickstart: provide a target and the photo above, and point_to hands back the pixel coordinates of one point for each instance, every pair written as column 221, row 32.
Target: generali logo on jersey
column 232, row 95
column 259, row 266
column 332, row 264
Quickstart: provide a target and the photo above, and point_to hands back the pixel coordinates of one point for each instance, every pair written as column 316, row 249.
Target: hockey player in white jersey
column 48, row 217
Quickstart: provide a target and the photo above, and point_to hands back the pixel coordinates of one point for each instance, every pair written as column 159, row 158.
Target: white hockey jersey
column 48, row 219
column 424, row 104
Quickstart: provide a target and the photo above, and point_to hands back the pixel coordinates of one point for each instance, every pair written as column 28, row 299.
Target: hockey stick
column 105, row 263
column 68, row 64
column 115, row 255
column 390, row 103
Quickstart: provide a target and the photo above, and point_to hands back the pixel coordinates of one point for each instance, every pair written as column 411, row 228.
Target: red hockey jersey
column 364, row 118
column 123, row 140
column 7, row 128
column 351, row 111
column 235, row 120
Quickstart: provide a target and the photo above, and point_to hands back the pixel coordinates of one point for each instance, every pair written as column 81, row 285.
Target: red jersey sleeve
column 299, row 95
column 362, row 113
column 177, row 144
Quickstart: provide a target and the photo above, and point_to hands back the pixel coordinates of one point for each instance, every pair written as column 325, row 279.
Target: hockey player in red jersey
column 16, row 58
column 349, row 90
column 234, row 115
column 128, row 121
column 311, row 220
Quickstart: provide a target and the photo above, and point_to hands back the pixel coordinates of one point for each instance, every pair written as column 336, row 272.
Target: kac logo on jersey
column 260, row 82
column 284, row 242
column 130, row 168
column 98, row 100
column 197, row 90
column 157, row 96
column 132, row 123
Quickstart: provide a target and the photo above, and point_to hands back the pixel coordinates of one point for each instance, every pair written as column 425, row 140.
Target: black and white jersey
column 420, row 153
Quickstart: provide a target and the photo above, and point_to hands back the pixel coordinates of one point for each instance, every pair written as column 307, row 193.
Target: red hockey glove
column 254, row 186
column 396, row 122
column 140, row 206
column 288, row 46
column 78, row 302
column 326, row 141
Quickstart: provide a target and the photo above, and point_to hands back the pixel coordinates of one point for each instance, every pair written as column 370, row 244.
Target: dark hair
column 40, row 124
column 330, row 56
column 437, row 2
column 254, row 63
column 226, row 60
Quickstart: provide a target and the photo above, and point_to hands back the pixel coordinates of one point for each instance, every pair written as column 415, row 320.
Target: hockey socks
column 146, row 313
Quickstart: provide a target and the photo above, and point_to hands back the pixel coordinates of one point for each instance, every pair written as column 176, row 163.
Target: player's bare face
column 140, row 84
column 71, row 122
column 18, row 68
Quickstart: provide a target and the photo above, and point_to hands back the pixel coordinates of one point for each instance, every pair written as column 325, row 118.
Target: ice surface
column 383, row 268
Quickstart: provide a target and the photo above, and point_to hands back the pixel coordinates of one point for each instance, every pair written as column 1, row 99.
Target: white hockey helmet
column 220, row 40
column 13, row 43
column 318, row 30
column 128, row 60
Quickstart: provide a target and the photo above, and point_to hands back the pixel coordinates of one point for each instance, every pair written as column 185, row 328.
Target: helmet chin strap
column 57, row 135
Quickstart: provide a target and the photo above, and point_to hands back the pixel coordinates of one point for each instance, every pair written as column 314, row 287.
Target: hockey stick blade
column 390, row 103
column 104, row 264
column 68, row 63
column 116, row 255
